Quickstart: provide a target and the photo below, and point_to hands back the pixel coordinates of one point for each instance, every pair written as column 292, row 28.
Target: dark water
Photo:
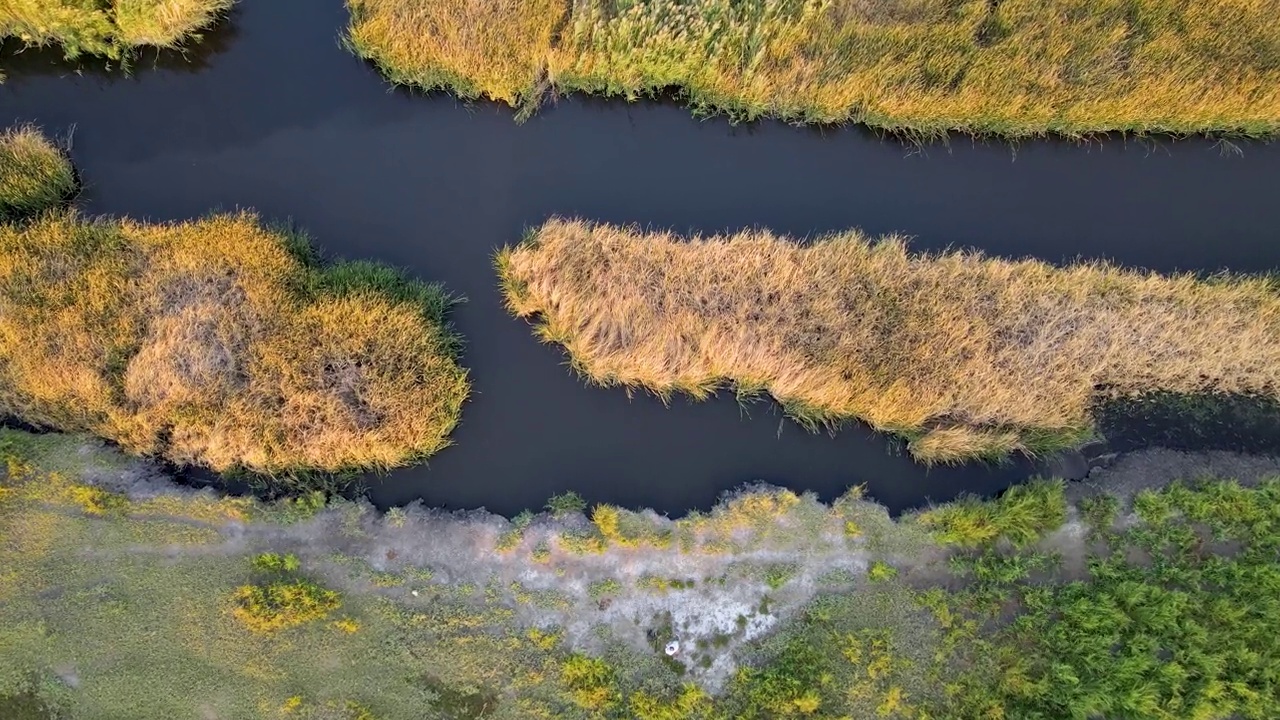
column 273, row 114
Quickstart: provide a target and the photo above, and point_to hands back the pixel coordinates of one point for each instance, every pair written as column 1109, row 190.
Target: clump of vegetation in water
column 222, row 343
column 110, row 28
column 35, row 174
column 964, row 355
column 926, row 67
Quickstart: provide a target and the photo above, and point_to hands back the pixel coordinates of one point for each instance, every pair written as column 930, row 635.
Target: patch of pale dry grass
column 1015, row 67
column 214, row 342
column 965, row 355
column 108, row 27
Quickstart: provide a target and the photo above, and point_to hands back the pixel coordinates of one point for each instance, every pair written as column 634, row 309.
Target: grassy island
column 1013, row 68
column 35, row 174
column 110, row 28
column 964, row 355
column 217, row 341
column 1145, row 598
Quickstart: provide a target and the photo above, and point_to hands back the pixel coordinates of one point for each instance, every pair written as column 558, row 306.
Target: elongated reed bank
column 35, row 174
column 222, row 343
column 1016, row 67
column 110, row 28
column 966, row 356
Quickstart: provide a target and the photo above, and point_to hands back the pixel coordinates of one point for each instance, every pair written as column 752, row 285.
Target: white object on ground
column 672, row 647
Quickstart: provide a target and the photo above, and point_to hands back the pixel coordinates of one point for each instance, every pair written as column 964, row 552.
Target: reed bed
column 1014, row 67
column 964, row 355
column 111, row 28
column 491, row 48
column 221, row 343
column 35, row 174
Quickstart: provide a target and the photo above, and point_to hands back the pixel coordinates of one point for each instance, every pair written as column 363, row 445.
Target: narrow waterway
column 271, row 113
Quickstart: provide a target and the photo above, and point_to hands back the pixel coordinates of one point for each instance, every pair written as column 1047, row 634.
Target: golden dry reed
column 1014, row 67
column 35, row 174
column 965, row 355
column 107, row 27
column 221, row 343
column 491, row 48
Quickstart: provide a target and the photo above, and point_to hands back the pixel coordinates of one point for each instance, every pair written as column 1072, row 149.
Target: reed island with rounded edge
column 919, row 67
column 217, row 342
column 965, row 356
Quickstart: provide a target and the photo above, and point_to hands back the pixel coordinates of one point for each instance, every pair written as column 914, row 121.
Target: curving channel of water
column 273, row 114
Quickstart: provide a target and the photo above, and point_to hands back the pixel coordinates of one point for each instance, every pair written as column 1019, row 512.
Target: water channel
column 271, row 113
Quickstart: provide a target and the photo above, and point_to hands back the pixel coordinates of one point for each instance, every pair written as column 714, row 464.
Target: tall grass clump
column 35, row 174
column 217, row 342
column 1021, row 515
column 475, row 48
column 110, row 28
column 966, row 356
column 1016, row 67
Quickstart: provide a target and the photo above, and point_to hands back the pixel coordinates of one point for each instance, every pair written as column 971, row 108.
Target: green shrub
column 880, row 571
column 277, row 563
column 282, row 604
column 590, row 682
column 777, row 575
column 566, row 504
column 600, row 588
column 1023, row 514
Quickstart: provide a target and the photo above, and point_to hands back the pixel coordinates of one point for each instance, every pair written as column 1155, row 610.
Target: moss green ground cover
column 121, row 597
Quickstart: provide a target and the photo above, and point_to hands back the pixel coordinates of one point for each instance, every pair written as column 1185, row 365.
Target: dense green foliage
column 1170, row 623
column 1021, row 515
column 1171, row 618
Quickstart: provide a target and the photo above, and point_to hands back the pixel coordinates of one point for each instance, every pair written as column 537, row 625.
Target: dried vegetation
column 966, row 356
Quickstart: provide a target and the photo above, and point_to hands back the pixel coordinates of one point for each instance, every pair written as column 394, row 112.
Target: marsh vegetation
column 965, row 356
column 110, row 28
column 35, row 173
column 220, row 342
column 1157, row 602
column 921, row 66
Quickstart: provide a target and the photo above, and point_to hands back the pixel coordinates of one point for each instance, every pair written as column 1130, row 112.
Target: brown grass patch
column 964, row 354
column 215, row 342
column 1014, row 67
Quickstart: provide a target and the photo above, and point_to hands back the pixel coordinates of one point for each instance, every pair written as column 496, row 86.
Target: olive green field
column 122, row 595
